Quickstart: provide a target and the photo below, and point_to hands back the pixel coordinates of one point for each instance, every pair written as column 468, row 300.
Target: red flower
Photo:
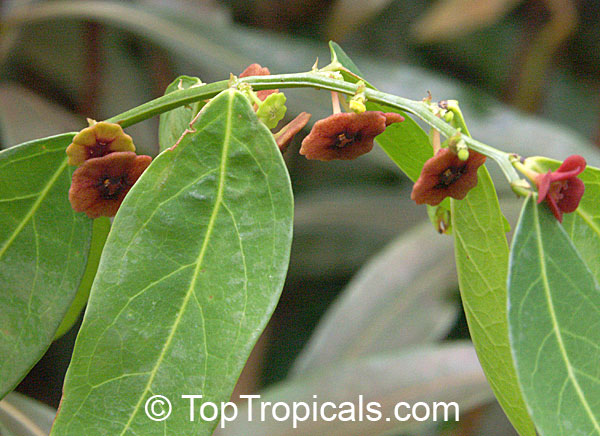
column 100, row 184
column 98, row 140
column 561, row 189
column 346, row 135
column 287, row 132
column 257, row 70
column 445, row 175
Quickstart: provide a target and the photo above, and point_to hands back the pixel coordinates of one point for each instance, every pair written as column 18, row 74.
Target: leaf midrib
column 190, row 291
column 559, row 339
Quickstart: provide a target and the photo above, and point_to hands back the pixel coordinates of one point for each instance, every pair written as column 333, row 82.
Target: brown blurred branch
column 539, row 53
column 92, row 35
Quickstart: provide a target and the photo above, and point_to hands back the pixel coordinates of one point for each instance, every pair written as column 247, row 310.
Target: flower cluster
column 108, row 168
column 342, row 136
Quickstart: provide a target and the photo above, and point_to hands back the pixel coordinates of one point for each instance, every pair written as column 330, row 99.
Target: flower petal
column 543, row 182
column 571, row 195
column 344, row 136
column 445, row 175
column 100, row 184
column 287, row 132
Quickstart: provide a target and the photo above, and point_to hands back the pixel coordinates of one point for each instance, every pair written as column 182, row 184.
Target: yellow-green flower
column 98, row 140
column 272, row 110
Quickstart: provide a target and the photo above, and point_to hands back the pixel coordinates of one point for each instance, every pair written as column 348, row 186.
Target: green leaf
column 482, row 262
column 100, row 229
column 173, row 123
column 190, row 274
column 554, row 307
column 43, row 250
column 339, row 55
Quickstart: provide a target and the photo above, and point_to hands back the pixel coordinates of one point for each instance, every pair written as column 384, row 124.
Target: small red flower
column 346, row 135
column 100, row 184
column 98, row 140
column 257, row 70
column 445, row 175
column 287, row 132
column 561, row 189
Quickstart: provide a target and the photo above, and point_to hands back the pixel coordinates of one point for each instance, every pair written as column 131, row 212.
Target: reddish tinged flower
column 561, row 189
column 98, row 140
column 287, row 132
column 445, row 175
column 101, row 183
column 346, row 135
column 257, row 70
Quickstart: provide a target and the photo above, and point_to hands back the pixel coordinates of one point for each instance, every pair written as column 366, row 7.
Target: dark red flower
column 257, row 70
column 100, row 184
column 561, row 189
column 98, row 140
column 287, row 132
column 346, row 135
column 445, row 175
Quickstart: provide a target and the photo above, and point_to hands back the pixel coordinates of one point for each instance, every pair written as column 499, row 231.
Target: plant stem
column 318, row 81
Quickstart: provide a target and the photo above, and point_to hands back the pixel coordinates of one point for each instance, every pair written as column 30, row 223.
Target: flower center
column 557, row 189
column 345, row 138
column 111, row 187
column 98, row 150
column 449, row 176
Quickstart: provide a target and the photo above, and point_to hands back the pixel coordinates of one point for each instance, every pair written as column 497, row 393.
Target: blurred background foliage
column 526, row 73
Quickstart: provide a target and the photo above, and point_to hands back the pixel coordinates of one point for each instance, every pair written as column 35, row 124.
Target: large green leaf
column 554, row 321
column 175, row 122
column 190, row 274
column 482, row 263
column 43, row 250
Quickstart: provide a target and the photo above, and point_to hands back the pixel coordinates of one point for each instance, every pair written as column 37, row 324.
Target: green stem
column 311, row 80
